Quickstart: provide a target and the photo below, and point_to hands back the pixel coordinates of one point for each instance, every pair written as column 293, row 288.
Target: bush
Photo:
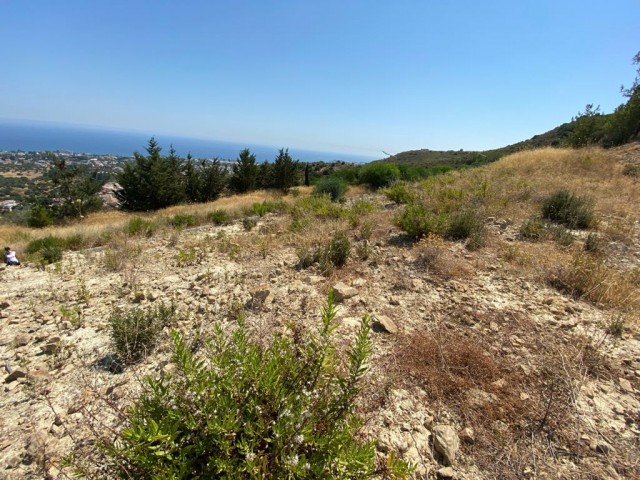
column 140, row 226
column 466, row 224
column 333, row 186
column 567, row 209
column 338, row 249
column 379, row 175
column 248, row 223
column 593, row 244
column 49, row 248
column 219, row 217
column 246, row 410
column 399, row 192
column 183, row 220
column 261, row 209
column 334, row 254
column 135, row 332
column 39, row 217
column 533, row 229
column 417, row 221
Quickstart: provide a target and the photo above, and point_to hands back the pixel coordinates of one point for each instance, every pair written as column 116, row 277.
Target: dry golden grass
column 94, row 226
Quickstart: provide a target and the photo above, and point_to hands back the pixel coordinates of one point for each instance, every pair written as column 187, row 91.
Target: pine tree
column 285, row 171
column 151, row 182
column 245, row 173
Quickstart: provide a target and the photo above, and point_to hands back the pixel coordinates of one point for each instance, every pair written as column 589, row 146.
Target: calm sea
column 40, row 136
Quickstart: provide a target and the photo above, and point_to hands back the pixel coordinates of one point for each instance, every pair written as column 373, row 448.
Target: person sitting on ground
column 10, row 257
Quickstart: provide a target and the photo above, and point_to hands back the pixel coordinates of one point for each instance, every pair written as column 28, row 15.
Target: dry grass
column 436, row 258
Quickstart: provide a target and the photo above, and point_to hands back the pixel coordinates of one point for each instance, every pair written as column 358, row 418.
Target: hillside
column 429, row 158
column 519, row 359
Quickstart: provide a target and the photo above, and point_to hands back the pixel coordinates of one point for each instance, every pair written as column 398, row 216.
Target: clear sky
column 344, row 76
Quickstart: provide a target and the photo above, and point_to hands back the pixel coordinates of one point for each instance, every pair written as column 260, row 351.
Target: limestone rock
column 21, row 340
column 446, row 442
column 625, row 385
column 382, row 323
column 446, row 472
column 343, row 291
column 17, row 373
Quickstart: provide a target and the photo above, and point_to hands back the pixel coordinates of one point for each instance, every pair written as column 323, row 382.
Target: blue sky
column 344, row 76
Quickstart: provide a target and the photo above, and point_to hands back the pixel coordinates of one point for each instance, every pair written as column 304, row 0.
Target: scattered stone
column 52, row 345
column 21, row 340
column 343, row 291
column 625, row 385
column 17, row 373
column 601, row 447
column 468, row 435
column 313, row 279
column 382, row 323
column 446, row 442
column 259, row 295
column 446, row 472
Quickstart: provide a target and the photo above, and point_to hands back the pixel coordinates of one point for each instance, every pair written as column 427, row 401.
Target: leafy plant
column 533, row 229
column 248, row 223
column 418, row 221
column 183, row 220
column 219, row 217
column 334, row 187
column 48, row 248
column 245, row 410
column 567, row 209
column 189, row 256
column 399, row 192
column 140, row 226
column 135, row 331
column 379, row 174
column 338, row 249
column 466, row 224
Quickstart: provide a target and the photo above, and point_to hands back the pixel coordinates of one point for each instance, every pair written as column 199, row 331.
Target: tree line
column 621, row 126
column 155, row 181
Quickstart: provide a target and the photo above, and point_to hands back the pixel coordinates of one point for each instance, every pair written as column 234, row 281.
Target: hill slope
column 526, row 354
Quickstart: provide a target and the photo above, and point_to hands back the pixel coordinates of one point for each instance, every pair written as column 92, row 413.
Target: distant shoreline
column 35, row 136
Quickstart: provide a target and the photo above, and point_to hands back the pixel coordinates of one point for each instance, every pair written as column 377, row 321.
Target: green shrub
column 338, row 249
column 465, row 224
column 567, row 209
column 318, row 206
column 48, row 248
column 399, row 192
column 533, row 229
column 183, row 220
column 248, row 223
column 334, row 254
column 74, row 242
column 593, row 244
column 39, row 217
column 418, row 221
column 561, row 235
column 245, row 410
column 219, row 217
column 333, row 186
column 262, row 208
column 379, row 174
column 141, row 227
column 299, row 224
column 135, row 331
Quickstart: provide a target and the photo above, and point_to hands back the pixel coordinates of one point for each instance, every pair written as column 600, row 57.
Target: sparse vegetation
column 141, row 227
column 334, row 187
column 136, row 331
column 246, row 410
column 219, row 217
column 567, row 209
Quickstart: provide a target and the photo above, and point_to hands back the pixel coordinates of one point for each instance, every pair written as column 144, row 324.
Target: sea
column 23, row 135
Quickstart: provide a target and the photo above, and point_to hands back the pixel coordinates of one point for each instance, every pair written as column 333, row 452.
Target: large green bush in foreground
column 242, row 410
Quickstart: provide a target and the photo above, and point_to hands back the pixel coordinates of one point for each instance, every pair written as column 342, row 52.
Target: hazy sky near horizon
column 342, row 76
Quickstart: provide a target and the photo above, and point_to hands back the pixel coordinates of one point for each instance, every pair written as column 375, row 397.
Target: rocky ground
column 554, row 368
